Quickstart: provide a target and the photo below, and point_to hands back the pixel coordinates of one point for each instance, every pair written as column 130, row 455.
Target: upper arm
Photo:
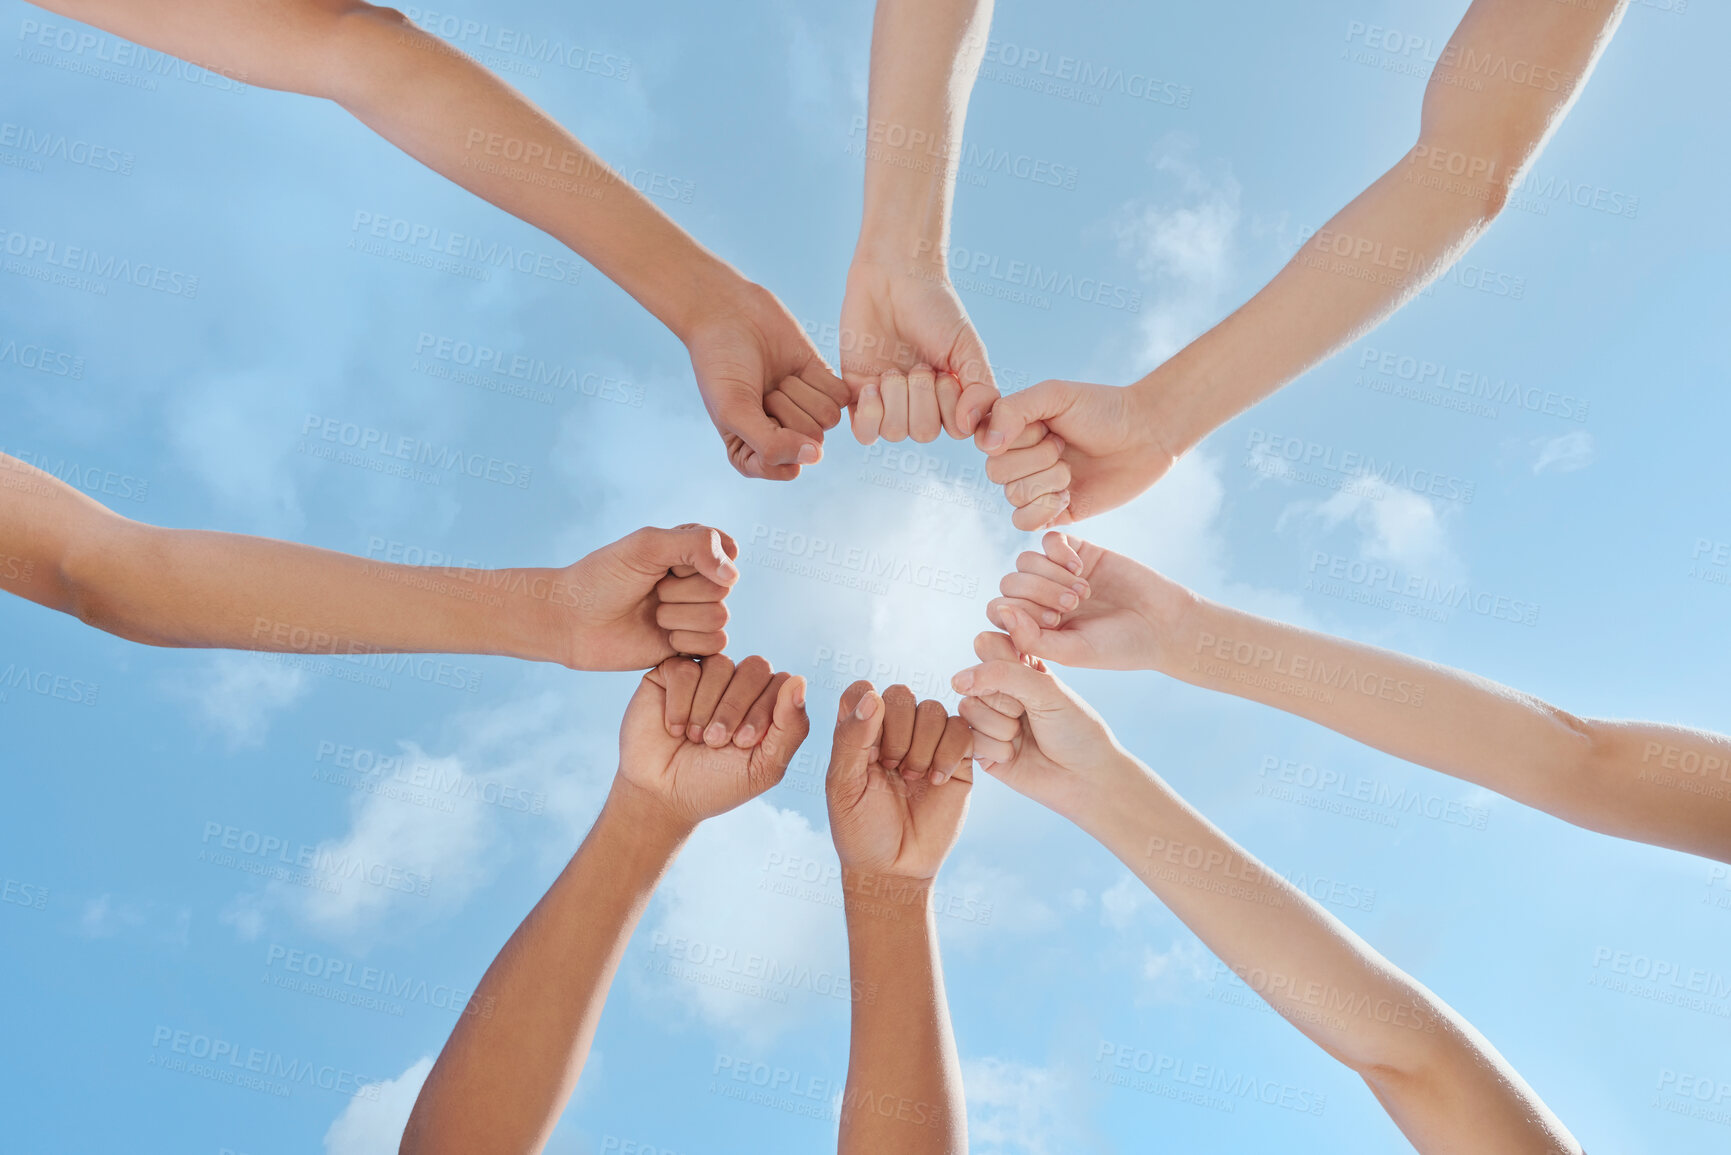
column 1509, row 74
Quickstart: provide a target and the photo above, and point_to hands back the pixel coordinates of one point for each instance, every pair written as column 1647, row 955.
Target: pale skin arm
column 513, row 1060
column 912, row 361
column 898, row 786
column 767, row 389
column 1645, row 781
column 625, row 606
column 1444, row 1085
column 1369, row 259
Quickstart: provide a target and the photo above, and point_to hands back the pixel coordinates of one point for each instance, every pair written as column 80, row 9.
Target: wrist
column 1108, row 794
column 536, row 619
column 1164, row 422
column 651, row 824
column 1171, row 615
column 706, row 289
column 883, row 898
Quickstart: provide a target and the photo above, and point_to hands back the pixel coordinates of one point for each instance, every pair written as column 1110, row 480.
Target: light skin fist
column 769, row 392
column 1080, row 605
column 1031, row 731
column 700, row 737
column 651, row 594
column 913, row 364
column 1108, row 451
column 899, row 777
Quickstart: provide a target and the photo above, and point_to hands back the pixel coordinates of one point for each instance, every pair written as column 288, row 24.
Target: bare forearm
column 513, row 1060
column 194, row 588
column 450, row 113
column 1653, row 783
column 904, row 1087
column 1441, row 1081
column 924, row 58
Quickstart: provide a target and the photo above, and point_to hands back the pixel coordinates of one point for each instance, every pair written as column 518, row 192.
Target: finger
column 1021, row 620
column 899, row 707
column 1015, row 463
column 756, row 723
column 858, row 730
column 1049, row 600
column 1034, row 689
column 1041, row 565
column 924, row 423
column 994, row 647
column 787, row 411
column 949, row 395
column 1011, row 415
column 695, row 617
column 991, row 751
column 987, row 722
column 950, row 760
column 679, row 675
column 929, row 717
column 697, row 643
column 895, row 390
column 1062, row 551
column 766, row 449
column 974, row 370
column 688, row 589
column 749, row 679
column 787, row 727
column 868, row 413
column 1024, row 491
column 717, row 672
column 1048, row 509
column 814, row 402
column 699, row 547
column 819, row 376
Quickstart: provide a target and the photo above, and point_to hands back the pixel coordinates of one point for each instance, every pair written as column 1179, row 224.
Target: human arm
column 511, row 1063
column 898, row 786
column 1646, row 781
column 913, row 364
column 768, row 391
column 1508, row 76
column 626, row 606
column 1444, row 1085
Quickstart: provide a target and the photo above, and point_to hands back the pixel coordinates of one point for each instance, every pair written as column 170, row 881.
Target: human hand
column 767, row 389
column 911, row 359
column 898, row 782
column 1031, row 732
column 701, row 737
column 651, row 594
column 1078, row 604
column 1108, row 451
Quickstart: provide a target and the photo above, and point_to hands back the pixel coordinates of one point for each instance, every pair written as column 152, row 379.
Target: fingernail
column 728, row 570
column 745, row 735
column 938, row 778
column 1069, row 601
column 1081, row 588
column 993, row 440
column 799, row 695
column 963, row 681
column 1051, row 617
column 715, row 735
column 693, row 733
column 809, row 453
column 970, row 420
column 1058, row 443
column 892, row 763
column 675, row 731
column 868, row 706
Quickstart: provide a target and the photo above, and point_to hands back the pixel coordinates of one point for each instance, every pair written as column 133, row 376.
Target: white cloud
column 103, row 917
column 1564, row 453
column 1400, row 526
column 373, row 1123
column 1183, row 249
column 737, row 931
column 237, row 694
column 229, row 433
column 1019, row 1110
column 1120, row 902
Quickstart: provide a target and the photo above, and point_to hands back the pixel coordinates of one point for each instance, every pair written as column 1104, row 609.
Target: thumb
column 1036, row 690
column 1011, row 415
column 979, row 387
column 698, row 546
column 769, row 446
column 859, row 725
column 1060, row 645
column 788, row 726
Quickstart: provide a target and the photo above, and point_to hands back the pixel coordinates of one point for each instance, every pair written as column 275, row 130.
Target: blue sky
column 130, row 930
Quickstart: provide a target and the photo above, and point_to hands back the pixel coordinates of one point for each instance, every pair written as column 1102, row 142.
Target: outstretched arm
column 1499, row 89
column 913, row 363
column 767, row 389
column 625, row 606
column 1440, row 1080
column 1667, row 785
column 898, row 786
column 505, row 1075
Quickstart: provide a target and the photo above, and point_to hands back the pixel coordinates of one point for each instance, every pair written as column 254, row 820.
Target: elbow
column 348, row 49
column 1474, row 180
